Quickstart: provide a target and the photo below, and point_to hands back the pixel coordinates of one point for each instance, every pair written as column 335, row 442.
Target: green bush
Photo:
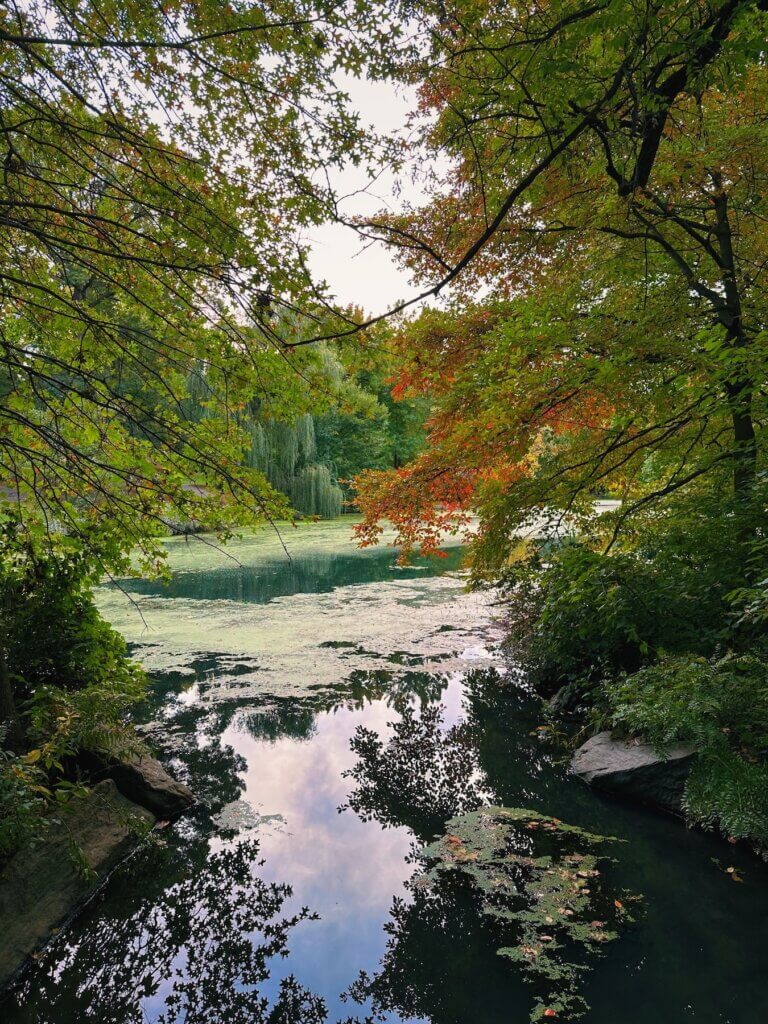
column 61, row 724
column 721, row 709
column 52, row 632
column 67, row 678
column 23, row 797
column 582, row 617
column 635, row 639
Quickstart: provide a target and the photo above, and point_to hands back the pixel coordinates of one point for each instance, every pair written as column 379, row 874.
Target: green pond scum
column 542, row 882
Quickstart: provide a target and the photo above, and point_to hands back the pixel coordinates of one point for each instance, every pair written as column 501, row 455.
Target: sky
column 366, row 276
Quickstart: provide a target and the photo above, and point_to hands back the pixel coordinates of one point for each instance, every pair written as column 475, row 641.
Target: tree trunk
column 745, row 443
column 744, row 468
column 739, row 392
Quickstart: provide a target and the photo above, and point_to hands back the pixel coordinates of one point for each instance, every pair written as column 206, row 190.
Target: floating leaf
column 529, row 872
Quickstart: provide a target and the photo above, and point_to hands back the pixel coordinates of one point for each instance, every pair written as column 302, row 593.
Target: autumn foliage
column 480, row 444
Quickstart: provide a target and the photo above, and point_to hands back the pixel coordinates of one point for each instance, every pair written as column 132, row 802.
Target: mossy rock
column 543, row 880
column 45, row 883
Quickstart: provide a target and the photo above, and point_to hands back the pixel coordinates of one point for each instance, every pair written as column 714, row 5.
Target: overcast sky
column 369, row 278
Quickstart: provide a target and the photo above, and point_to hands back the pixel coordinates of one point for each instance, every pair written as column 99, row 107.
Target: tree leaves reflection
column 420, row 777
column 198, row 952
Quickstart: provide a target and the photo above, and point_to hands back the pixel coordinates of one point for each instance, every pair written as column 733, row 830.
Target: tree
column 160, row 165
column 622, row 345
column 511, row 91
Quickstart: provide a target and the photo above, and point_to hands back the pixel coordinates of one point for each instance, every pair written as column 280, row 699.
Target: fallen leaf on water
column 466, row 855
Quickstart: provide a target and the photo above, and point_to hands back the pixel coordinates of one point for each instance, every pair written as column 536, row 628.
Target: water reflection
column 258, row 580
column 420, row 777
column 182, row 924
column 440, row 964
column 284, row 718
column 198, row 951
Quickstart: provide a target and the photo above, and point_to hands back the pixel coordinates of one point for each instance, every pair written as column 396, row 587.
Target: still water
column 286, row 896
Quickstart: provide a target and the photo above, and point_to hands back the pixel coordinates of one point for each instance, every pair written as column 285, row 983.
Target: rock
column 633, row 769
column 144, row 781
column 42, row 885
column 139, row 777
column 566, row 701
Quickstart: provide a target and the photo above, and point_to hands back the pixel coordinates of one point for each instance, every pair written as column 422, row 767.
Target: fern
column 720, row 707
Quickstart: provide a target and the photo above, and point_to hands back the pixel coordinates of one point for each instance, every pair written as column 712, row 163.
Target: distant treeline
column 314, row 458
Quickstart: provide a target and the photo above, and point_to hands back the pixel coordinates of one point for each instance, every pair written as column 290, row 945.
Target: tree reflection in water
column 196, row 952
column 439, row 947
column 420, row 777
column 440, row 963
column 199, row 945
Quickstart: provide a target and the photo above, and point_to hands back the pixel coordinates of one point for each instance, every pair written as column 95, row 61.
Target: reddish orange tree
column 620, row 344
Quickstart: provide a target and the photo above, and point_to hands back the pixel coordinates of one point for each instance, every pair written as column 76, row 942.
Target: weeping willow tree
column 286, row 453
column 198, row 394
column 350, row 424
column 316, row 492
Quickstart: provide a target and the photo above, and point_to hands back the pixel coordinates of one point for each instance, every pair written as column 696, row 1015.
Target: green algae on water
column 543, row 879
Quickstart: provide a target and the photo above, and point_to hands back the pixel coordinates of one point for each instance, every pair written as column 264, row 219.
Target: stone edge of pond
column 143, row 780
column 45, row 885
column 630, row 769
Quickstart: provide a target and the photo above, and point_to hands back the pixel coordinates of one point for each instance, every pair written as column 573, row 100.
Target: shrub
column 63, row 723
column 66, row 677
column 583, row 617
column 52, row 632
column 720, row 707
column 23, row 797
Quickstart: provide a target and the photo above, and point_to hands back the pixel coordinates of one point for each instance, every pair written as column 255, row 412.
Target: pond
column 287, row 895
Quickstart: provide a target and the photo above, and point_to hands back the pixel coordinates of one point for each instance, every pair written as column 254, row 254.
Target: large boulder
column 630, row 768
column 139, row 777
column 44, row 884
column 143, row 780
